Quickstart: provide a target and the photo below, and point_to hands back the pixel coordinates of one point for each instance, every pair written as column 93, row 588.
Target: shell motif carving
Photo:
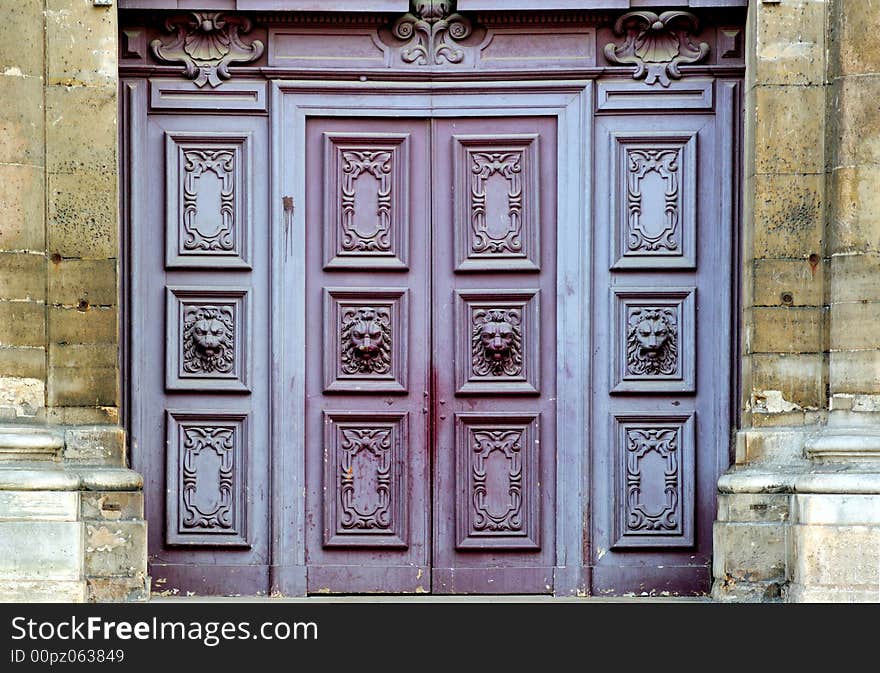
column 657, row 45
column 207, row 43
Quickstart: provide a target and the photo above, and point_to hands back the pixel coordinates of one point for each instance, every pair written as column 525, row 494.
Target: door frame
column 292, row 102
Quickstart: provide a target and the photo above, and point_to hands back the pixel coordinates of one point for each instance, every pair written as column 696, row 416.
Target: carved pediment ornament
column 206, row 43
column 431, row 30
column 657, row 45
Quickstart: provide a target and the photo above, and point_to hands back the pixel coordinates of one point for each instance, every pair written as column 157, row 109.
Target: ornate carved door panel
column 368, row 237
column 200, row 325
column 408, row 388
column 494, row 345
column 664, row 217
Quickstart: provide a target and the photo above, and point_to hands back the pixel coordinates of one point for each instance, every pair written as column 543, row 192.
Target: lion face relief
column 652, row 342
column 365, row 340
column 496, row 342
column 208, row 339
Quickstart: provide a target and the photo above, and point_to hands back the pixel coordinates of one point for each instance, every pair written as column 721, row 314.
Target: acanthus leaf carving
column 657, row 45
column 376, row 513
column 365, row 340
column 664, row 162
column 496, row 342
column 432, row 30
column 220, row 440
column 208, row 339
column 377, row 164
column 196, row 164
column 639, row 442
column 652, row 341
column 207, row 43
column 509, row 516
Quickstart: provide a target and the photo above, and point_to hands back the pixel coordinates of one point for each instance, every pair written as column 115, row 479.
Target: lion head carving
column 208, row 339
column 652, row 342
column 365, row 341
column 496, row 342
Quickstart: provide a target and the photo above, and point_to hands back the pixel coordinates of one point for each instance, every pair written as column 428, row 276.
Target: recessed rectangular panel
column 207, row 339
column 326, row 46
column 207, row 481
column 654, row 201
column 497, row 341
column 496, row 202
column 654, row 336
column 689, row 93
column 654, row 483
column 365, row 465
column 538, row 47
column 497, row 492
column 184, row 96
column 365, row 340
column 366, row 201
column 208, row 200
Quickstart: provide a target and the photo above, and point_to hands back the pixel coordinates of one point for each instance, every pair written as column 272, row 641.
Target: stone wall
column 798, row 516
column 71, row 514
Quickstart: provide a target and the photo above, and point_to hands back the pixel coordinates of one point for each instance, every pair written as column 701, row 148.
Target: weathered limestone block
column 854, row 203
column 788, row 132
column 90, row 58
column 790, row 39
column 21, row 119
column 24, row 225
column 798, row 379
column 72, row 281
column 21, row 38
column 95, row 445
column 41, row 550
column 789, row 212
column 786, row 330
column 115, row 549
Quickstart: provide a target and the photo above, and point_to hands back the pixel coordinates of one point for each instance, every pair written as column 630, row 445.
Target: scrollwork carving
column 431, row 30
column 652, row 341
column 509, row 444
column 657, row 45
column 496, row 342
column 355, row 164
column 208, row 339
column 365, row 340
column 665, row 163
column 196, row 164
column 640, row 441
column 220, row 440
column 509, row 166
column 207, row 43
column 377, row 513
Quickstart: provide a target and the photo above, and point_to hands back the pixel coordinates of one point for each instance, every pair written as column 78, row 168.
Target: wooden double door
column 430, row 354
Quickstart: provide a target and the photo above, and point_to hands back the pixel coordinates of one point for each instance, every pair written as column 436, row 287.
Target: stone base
column 802, row 530
column 69, row 532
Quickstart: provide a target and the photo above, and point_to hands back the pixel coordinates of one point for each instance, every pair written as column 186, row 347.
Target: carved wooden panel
column 496, row 202
column 206, row 343
column 537, row 46
column 366, row 182
column 654, row 334
column 365, row 340
column 654, row 491
column 497, row 341
column 654, row 197
column 497, row 492
column 365, row 459
column 206, row 478
column 208, row 200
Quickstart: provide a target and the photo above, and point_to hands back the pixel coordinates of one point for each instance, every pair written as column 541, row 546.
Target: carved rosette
column 496, row 341
column 220, row 440
column 376, row 513
column 365, row 340
column 207, row 43
column 652, row 341
column 639, row 442
column 208, row 339
column 196, row 164
column 432, row 31
column 664, row 162
column 657, row 45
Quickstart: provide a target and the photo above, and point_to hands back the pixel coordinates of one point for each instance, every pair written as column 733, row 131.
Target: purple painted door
column 430, row 355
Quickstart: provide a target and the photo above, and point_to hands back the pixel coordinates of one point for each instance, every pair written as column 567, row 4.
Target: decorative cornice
column 432, row 30
column 657, row 45
column 207, row 43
